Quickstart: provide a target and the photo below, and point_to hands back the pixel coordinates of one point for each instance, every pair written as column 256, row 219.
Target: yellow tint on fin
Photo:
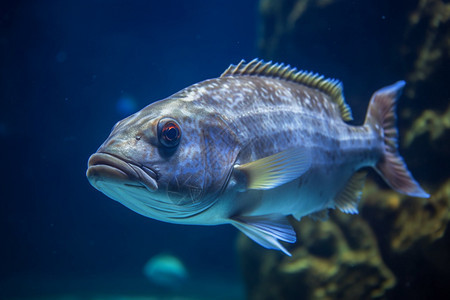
column 277, row 169
column 348, row 198
column 331, row 87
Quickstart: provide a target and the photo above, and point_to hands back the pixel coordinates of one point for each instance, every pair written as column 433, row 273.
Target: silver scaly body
column 249, row 148
column 268, row 116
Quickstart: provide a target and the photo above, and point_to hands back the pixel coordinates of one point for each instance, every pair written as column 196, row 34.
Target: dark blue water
column 66, row 68
column 69, row 70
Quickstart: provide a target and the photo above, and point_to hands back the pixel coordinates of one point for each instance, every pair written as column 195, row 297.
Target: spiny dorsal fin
column 257, row 67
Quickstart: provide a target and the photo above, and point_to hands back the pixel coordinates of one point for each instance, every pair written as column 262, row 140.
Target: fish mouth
column 106, row 167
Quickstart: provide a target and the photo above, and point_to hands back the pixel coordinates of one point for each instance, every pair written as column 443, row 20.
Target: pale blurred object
column 166, row 270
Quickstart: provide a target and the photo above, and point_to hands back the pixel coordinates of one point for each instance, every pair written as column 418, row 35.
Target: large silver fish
column 261, row 142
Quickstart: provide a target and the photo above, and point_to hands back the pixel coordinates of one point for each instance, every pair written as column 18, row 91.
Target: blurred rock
column 427, row 40
column 335, row 259
column 432, row 123
column 401, row 222
column 428, row 144
column 343, row 261
column 398, row 247
column 358, row 256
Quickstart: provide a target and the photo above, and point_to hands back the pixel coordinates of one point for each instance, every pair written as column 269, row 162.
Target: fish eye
column 169, row 132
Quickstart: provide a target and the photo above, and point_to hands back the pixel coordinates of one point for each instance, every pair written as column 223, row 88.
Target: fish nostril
column 150, row 172
column 112, row 145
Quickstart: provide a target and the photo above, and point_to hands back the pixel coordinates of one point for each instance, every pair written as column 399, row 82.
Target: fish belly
column 312, row 192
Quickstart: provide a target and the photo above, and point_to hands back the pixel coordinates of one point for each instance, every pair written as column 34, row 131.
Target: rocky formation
column 386, row 252
column 336, row 259
column 398, row 247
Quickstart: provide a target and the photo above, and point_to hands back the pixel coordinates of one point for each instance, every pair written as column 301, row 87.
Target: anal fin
column 348, row 198
column 266, row 230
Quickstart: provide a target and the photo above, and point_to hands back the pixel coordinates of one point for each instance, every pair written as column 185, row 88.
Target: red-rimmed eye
column 169, row 132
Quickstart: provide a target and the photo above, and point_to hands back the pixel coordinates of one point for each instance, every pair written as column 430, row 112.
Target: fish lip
column 106, row 166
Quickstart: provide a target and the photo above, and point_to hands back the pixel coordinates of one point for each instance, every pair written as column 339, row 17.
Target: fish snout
column 109, row 168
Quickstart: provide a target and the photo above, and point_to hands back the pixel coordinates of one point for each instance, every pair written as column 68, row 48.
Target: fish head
column 170, row 161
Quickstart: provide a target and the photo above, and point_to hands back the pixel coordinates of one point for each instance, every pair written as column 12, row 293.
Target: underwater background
column 69, row 70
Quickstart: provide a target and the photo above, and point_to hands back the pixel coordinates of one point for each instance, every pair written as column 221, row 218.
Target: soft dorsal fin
column 257, row 67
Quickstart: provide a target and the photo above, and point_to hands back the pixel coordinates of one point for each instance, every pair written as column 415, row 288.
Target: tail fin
column 381, row 116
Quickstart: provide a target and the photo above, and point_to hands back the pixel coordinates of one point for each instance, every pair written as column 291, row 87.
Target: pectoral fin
column 266, row 230
column 275, row 170
column 347, row 200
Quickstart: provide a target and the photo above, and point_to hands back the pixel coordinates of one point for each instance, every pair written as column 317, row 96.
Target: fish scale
column 285, row 124
column 259, row 143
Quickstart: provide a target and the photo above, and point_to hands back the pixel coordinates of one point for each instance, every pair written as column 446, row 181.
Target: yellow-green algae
column 397, row 246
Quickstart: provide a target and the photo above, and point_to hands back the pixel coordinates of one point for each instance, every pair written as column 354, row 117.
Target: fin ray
column 348, row 198
column 391, row 167
column 266, row 230
column 331, row 87
column 277, row 169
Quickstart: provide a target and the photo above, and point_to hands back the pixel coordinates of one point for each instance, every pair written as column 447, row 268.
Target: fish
column 251, row 148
